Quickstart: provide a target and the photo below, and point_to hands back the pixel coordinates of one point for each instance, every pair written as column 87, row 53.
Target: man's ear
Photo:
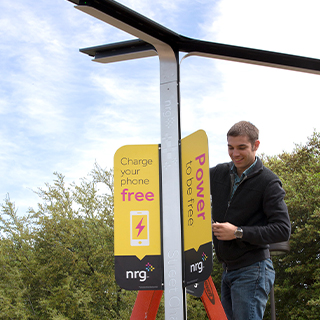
column 256, row 145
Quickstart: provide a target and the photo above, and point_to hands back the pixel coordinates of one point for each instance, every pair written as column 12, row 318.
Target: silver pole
column 174, row 293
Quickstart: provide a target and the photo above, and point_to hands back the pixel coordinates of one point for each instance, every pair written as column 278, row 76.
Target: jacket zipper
column 229, row 202
column 232, row 183
column 231, row 189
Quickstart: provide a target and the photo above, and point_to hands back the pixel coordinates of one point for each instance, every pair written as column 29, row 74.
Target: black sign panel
column 135, row 274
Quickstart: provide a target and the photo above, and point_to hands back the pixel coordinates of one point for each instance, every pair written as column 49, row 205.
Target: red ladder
column 147, row 303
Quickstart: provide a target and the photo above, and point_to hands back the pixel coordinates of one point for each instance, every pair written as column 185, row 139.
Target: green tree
column 15, row 256
column 297, row 288
column 58, row 260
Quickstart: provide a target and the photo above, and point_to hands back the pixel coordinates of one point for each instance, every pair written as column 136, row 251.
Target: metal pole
column 174, row 293
column 272, row 303
column 277, row 249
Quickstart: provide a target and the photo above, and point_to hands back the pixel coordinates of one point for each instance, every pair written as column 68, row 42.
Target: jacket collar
column 255, row 170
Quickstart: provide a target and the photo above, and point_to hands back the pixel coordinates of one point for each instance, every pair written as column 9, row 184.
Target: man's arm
column 278, row 226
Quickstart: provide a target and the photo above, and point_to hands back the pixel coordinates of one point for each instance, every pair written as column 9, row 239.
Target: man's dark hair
column 244, row 128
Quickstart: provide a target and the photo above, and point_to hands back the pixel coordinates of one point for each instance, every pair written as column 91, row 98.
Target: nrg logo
column 198, row 266
column 140, row 274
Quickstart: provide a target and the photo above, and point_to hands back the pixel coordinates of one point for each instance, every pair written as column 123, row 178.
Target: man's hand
column 224, row 231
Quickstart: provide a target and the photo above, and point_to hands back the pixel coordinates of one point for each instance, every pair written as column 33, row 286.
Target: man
column 248, row 213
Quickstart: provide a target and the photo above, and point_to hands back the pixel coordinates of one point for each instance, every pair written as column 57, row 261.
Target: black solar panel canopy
column 157, row 33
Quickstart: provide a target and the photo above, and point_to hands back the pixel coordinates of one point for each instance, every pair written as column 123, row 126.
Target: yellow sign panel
column 196, row 191
column 137, row 201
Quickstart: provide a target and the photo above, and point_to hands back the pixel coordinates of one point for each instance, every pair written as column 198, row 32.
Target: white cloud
column 284, row 26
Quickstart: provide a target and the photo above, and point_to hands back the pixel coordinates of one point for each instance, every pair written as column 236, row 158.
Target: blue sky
column 61, row 112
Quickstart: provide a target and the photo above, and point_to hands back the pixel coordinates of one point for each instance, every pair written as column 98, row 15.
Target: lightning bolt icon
column 140, row 227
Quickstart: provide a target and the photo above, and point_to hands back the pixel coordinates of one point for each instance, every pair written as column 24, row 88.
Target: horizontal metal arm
column 140, row 49
column 133, row 19
column 159, row 34
column 126, row 50
column 248, row 55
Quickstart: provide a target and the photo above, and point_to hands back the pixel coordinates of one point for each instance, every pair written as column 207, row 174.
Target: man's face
column 242, row 152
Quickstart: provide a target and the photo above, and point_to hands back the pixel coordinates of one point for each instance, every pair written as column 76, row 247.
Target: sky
column 61, row 112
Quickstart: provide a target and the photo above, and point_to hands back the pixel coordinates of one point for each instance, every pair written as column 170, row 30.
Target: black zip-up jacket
column 257, row 206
